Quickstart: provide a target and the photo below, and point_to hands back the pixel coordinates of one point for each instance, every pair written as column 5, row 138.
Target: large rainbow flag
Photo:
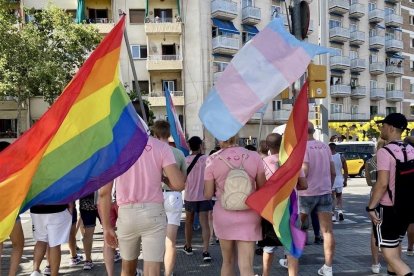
column 277, row 201
column 89, row 136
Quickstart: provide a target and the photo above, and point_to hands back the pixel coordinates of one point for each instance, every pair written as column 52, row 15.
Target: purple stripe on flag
column 298, row 236
column 286, row 59
column 236, row 94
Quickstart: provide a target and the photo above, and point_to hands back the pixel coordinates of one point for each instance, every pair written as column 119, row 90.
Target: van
column 356, row 154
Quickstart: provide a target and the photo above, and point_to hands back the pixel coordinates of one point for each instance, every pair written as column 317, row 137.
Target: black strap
column 396, row 160
column 193, row 163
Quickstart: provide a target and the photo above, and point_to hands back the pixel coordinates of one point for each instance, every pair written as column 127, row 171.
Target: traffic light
column 318, row 119
column 317, row 81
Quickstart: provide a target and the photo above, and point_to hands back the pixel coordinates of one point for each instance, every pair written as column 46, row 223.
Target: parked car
column 356, row 162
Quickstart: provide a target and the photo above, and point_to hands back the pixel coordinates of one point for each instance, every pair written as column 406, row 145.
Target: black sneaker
column 318, row 240
column 341, row 216
column 206, row 257
column 188, row 250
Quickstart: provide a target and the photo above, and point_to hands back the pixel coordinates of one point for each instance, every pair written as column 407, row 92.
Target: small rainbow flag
column 277, row 201
column 89, row 136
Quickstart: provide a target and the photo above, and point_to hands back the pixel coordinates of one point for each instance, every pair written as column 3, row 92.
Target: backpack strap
column 396, row 160
column 227, row 163
column 193, row 163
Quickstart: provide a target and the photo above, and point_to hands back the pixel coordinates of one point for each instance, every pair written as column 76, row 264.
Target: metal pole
column 297, row 32
column 260, row 130
column 134, row 73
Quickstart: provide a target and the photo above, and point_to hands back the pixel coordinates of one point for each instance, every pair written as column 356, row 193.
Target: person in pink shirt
column 320, row 174
column 235, row 229
column 194, row 200
column 141, row 213
column 390, row 228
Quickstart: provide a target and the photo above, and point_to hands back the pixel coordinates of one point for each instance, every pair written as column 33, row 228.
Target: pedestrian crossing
column 352, row 218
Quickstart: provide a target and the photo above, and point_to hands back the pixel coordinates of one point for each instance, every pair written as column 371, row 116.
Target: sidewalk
column 352, row 255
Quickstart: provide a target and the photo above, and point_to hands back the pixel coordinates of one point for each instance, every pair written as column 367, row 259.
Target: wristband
column 369, row 210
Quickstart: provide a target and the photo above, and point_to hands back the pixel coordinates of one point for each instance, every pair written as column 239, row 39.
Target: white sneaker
column 325, row 270
column 376, row 268
column 139, row 272
column 283, row 263
column 36, row 273
column 333, row 217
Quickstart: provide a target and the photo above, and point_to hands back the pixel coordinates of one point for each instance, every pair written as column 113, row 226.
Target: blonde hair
column 231, row 141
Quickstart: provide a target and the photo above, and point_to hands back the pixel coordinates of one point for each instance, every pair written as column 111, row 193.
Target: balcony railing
column 161, row 94
column 164, row 62
column 395, row 96
column 225, row 45
column 394, row 45
column 377, row 94
column 281, row 115
column 357, row 38
column 251, row 15
column 357, row 10
column 393, row 20
column 376, row 16
column 394, row 70
column 338, row 6
column 358, row 92
column 340, row 116
column 340, row 90
column 358, row 65
column 163, row 27
column 359, row 116
column 377, row 68
column 164, row 57
column 376, row 42
column 224, row 9
column 340, row 62
column 339, row 34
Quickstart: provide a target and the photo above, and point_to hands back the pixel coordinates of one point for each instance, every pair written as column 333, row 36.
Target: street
column 352, row 255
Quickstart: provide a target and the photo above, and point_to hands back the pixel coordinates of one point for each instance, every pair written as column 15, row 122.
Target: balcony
column 359, row 116
column 281, row 115
column 376, row 42
column 377, row 68
column 339, row 63
column 395, row 95
column 357, row 11
column 338, row 6
column 377, row 94
column 224, row 9
column 394, row 71
column 340, row 91
column 164, row 62
column 357, row 38
column 393, row 1
column 216, row 76
column 358, row 92
column 251, row 15
column 358, row 65
column 157, row 98
column 225, row 45
column 393, row 20
column 163, row 28
column 376, row 16
column 340, row 116
column 339, row 34
column 394, row 45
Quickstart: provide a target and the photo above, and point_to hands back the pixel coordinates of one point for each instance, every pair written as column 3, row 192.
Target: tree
column 40, row 57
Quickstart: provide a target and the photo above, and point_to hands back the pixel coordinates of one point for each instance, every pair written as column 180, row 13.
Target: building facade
column 184, row 46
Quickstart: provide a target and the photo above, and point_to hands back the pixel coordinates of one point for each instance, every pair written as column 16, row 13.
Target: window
column 372, row 6
column 412, row 43
column 246, row 37
column 354, row 82
column 98, row 15
column 412, row 65
column 411, row 20
column 334, row 23
column 353, row 54
column 136, row 16
column 390, row 86
column 373, row 84
column 247, row 3
column 411, row 87
column 276, row 105
column 336, row 108
column 139, row 51
column 143, row 86
column 354, row 109
column 336, row 80
column 388, row 11
column 353, row 27
column 170, row 84
column 412, row 110
column 373, row 110
column 219, row 66
column 8, row 128
column 163, row 15
column 373, row 58
column 390, row 109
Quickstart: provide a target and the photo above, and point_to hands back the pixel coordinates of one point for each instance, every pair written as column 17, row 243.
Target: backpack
column 404, row 184
column 237, row 187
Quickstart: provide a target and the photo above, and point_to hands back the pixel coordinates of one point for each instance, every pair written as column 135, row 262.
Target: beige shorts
column 144, row 222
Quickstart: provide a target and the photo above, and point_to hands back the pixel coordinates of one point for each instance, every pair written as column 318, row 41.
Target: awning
column 396, row 56
column 80, row 12
column 252, row 30
column 225, row 26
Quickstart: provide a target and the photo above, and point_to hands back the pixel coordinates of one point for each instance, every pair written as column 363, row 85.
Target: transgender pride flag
column 175, row 126
column 263, row 68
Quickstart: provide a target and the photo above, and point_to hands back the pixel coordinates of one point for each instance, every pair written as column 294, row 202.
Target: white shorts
column 173, row 205
column 337, row 190
column 52, row 228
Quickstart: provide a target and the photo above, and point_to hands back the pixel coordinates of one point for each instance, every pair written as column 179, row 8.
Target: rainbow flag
column 175, row 126
column 277, row 201
column 89, row 136
column 262, row 69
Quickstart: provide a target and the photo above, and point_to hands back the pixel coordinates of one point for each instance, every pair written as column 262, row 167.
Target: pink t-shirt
column 141, row 182
column 319, row 158
column 194, row 185
column 385, row 162
column 271, row 164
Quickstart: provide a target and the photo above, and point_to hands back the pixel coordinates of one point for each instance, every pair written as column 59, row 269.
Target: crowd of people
column 140, row 211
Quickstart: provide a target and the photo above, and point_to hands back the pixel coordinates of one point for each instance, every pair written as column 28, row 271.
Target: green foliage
column 40, row 57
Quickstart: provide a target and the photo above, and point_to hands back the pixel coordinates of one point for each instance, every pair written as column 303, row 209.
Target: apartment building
column 184, row 45
column 407, row 11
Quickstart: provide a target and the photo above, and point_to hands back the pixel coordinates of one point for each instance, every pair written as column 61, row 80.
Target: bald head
column 273, row 141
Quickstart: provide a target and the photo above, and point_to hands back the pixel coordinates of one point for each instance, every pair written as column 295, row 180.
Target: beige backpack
column 237, row 187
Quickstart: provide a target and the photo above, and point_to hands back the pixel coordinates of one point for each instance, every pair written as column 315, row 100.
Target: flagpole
column 134, row 72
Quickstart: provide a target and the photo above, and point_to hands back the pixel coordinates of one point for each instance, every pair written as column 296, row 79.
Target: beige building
column 184, row 45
